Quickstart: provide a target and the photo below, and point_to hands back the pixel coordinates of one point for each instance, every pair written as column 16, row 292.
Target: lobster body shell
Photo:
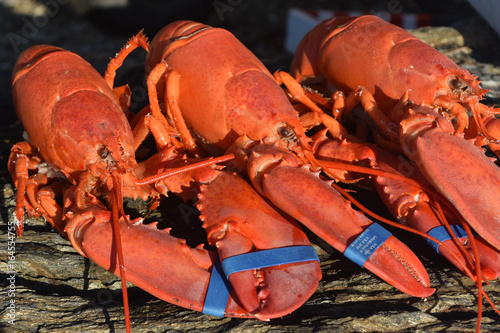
column 225, row 83
column 419, row 90
column 385, row 59
column 72, row 113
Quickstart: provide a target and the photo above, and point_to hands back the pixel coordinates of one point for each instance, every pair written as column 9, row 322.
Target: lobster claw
column 410, row 204
column 464, row 175
column 242, row 225
column 267, row 258
column 325, row 212
column 169, row 270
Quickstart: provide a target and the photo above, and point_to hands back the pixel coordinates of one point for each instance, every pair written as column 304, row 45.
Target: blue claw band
column 268, row 258
column 367, row 243
column 217, row 293
column 441, row 234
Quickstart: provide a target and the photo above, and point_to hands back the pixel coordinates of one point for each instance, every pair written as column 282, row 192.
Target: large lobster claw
column 242, row 225
column 463, row 174
column 325, row 212
column 157, row 262
column 272, row 267
column 411, row 205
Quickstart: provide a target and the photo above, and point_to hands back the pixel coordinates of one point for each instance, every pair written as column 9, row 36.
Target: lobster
column 407, row 109
column 221, row 98
column 80, row 145
column 411, row 93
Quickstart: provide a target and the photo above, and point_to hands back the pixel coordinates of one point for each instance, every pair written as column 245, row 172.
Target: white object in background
column 490, row 11
column 83, row 6
column 299, row 22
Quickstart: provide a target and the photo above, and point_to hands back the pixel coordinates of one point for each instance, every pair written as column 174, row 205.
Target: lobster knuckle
column 404, row 204
column 205, row 175
column 216, row 232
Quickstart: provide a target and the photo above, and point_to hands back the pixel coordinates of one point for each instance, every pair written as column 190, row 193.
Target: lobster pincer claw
column 411, row 205
column 156, row 262
column 318, row 206
column 268, row 259
column 488, row 256
column 472, row 184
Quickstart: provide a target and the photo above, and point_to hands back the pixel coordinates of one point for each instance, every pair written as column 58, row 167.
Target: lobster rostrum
column 80, row 145
column 410, row 83
column 220, row 95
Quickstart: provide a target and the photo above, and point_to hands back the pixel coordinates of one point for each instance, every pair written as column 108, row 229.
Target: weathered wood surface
column 57, row 290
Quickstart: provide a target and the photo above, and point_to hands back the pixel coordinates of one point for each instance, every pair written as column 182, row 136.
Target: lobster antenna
column 117, row 209
column 186, row 168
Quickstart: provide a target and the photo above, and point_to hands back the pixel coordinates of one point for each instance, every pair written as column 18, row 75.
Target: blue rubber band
column 268, row 258
column 367, row 243
column 441, row 234
column 217, row 293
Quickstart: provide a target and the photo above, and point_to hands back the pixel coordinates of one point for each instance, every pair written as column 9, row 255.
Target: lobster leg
column 22, row 159
column 172, row 79
column 163, row 270
column 492, row 125
column 53, row 213
column 146, row 123
column 325, row 212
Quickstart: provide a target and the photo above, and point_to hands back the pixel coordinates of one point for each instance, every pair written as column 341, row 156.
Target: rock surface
column 57, row 290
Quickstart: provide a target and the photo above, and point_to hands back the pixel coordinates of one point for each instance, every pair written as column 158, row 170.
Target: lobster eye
column 285, row 131
column 103, row 152
column 456, row 83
